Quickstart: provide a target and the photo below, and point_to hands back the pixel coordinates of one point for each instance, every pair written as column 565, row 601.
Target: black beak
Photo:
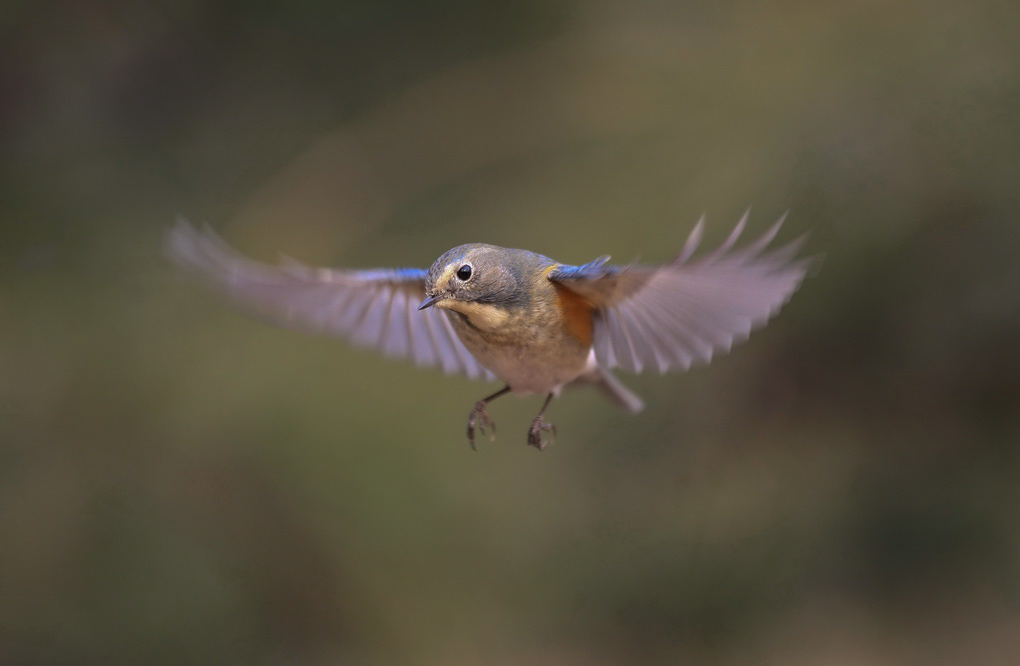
column 429, row 302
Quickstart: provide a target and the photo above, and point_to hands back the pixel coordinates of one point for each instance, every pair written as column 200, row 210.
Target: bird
column 513, row 315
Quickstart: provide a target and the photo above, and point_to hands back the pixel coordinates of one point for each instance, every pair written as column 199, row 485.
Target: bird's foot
column 479, row 418
column 539, row 426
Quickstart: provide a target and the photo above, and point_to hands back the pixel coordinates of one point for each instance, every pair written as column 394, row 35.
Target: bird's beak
column 430, row 301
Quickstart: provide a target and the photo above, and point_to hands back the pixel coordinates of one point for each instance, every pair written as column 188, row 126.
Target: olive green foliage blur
column 182, row 484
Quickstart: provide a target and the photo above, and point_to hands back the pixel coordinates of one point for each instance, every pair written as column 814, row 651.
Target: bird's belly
column 528, row 371
column 529, row 363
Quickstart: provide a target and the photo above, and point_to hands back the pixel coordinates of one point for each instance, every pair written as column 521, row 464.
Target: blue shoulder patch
column 592, row 270
column 393, row 275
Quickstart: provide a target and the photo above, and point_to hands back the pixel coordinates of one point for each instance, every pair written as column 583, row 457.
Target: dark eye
column 464, row 273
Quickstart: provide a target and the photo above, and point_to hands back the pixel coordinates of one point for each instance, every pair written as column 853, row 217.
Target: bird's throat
column 483, row 316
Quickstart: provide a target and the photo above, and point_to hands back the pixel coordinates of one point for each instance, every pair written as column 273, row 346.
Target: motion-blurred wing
column 373, row 308
column 668, row 317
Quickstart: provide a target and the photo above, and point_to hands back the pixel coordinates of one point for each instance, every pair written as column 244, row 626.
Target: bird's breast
column 536, row 348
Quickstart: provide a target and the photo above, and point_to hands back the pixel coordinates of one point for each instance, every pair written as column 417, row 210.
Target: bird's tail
column 616, row 391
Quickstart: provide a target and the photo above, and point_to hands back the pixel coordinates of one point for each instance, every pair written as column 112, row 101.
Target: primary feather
column 668, row 317
column 372, row 308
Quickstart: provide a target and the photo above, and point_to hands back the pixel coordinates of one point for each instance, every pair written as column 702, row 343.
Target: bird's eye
column 464, row 273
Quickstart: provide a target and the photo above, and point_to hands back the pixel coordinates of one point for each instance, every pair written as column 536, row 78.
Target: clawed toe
column 479, row 418
column 535, row 437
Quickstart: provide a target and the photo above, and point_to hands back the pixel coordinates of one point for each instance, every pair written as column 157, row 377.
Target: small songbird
column 538, row 325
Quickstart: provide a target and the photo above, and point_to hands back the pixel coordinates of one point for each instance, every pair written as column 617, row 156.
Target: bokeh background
column 182, row 485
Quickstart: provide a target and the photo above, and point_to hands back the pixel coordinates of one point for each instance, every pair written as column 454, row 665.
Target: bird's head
column 475, row 280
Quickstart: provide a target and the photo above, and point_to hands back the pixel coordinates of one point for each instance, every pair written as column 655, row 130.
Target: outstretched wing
column 373, row 308
column 668, row 317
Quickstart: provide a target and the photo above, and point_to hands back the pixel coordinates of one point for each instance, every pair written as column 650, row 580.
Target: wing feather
column 671, row 316
column 448, row 360
column 373, row 308
column 395, row 341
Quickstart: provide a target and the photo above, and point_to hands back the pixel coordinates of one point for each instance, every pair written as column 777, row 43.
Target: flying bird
column 537, row 325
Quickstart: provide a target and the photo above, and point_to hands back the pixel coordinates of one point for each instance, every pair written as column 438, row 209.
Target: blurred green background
column 182, row 485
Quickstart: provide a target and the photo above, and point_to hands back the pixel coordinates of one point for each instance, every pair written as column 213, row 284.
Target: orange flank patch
column 577, row 311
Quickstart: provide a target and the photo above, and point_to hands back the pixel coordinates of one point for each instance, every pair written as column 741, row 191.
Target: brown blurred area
column 180, row 484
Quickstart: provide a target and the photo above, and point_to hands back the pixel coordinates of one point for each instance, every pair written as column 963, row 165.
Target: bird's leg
column 480, row 418
column 538, row 426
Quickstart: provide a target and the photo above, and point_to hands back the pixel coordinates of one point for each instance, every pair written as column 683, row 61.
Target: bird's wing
column 371, row 308
column 668, row 317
